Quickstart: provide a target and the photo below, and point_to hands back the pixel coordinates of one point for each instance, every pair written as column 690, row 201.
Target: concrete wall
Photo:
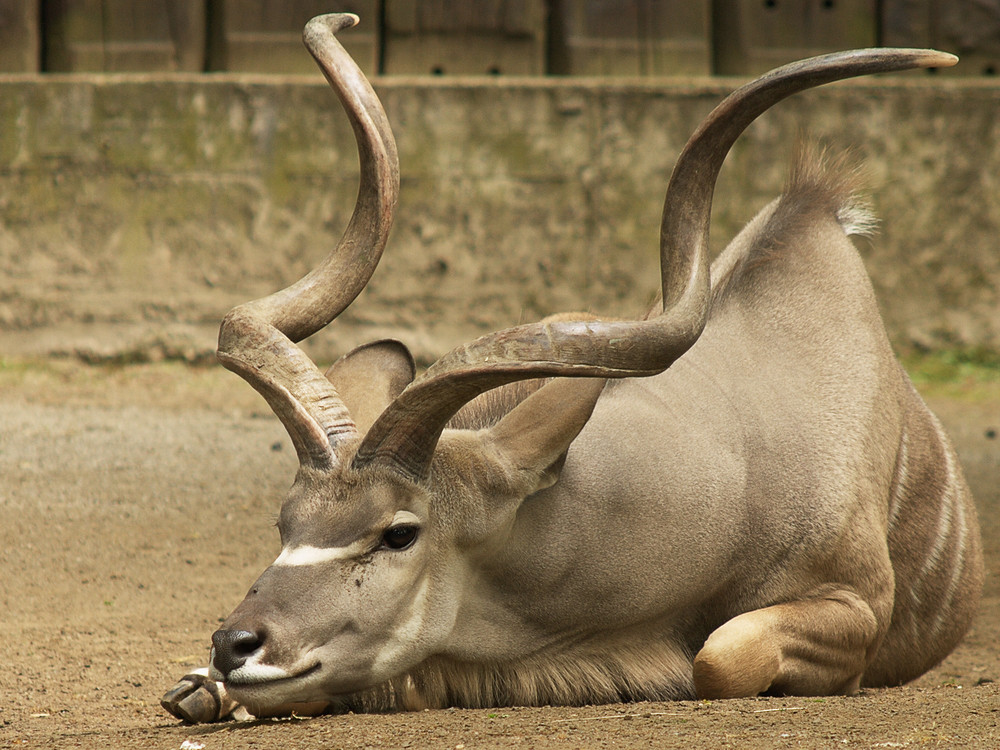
column 135, row 210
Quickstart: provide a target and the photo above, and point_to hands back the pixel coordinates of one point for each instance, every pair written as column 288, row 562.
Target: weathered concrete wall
column 135, row 210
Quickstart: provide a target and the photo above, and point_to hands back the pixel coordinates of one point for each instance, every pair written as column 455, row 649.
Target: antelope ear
column 370, row 377
column 535, row 436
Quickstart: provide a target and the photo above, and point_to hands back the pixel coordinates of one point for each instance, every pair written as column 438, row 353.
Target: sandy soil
column 136, row 507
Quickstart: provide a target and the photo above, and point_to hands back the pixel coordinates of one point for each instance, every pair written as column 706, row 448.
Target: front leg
column 818, row 645
column 198, row 699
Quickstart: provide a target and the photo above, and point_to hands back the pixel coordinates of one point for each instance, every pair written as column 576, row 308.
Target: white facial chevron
column 307, row 555
column 304, row 554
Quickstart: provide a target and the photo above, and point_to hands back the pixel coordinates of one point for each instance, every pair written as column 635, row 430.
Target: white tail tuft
column 857, row 217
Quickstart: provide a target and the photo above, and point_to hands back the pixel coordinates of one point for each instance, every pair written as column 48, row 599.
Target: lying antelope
column 740, row 493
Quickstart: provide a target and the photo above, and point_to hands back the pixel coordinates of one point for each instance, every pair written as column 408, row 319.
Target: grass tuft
column 968, row 374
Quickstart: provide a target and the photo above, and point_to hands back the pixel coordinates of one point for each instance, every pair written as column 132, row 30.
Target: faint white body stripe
column 894, row 501
column 957, row 532
column 947, row 509
column 957, row 568
column 951, row 526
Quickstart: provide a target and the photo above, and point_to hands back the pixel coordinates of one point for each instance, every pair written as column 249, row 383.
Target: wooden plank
column 631, row 37
column 465, row 38
column 753, row 36
column 119, row 35
column 74, row 35
column 265, row 36
column 20, row 40
column 968, row 28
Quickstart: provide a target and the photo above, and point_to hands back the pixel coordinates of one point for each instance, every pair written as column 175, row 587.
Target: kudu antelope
column 739, row 493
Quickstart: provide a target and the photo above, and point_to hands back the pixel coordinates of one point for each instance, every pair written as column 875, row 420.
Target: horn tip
column 945, row 59
column 330, row 23
column 920, row 57
column 930, row 58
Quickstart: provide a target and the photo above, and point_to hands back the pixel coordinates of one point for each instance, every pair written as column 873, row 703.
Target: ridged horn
column 257, row 340
column 405, row 435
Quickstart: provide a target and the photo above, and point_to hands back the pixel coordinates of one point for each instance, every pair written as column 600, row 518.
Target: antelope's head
column 390, row 512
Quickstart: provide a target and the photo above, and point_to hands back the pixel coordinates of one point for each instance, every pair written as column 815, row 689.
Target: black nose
column 233, row 648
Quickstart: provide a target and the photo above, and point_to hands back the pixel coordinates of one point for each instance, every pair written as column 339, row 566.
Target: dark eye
column 399, row 537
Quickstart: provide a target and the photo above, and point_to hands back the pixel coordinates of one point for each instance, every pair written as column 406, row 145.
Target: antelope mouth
column 271, row 694
column 268, row 679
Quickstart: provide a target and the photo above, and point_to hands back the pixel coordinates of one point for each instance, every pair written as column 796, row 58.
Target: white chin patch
column 254, row 674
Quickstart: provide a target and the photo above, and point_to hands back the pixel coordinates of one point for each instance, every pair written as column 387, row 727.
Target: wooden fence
column 462, row 37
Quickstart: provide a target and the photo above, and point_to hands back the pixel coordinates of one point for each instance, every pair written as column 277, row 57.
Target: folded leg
column 817, row 645
column 198, row 699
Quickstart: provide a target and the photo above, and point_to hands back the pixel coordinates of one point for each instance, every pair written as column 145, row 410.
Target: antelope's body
column 740, row 493
column 773, row 462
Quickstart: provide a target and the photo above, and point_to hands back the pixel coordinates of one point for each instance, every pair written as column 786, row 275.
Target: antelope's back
column 802, row 293
column 799, row 424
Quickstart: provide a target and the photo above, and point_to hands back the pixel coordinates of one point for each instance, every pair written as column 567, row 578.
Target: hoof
column 197, row 699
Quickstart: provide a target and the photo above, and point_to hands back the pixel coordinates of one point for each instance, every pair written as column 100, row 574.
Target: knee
column 736, row 662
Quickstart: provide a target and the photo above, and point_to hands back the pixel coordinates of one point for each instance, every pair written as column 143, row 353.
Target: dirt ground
column 137, row 505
